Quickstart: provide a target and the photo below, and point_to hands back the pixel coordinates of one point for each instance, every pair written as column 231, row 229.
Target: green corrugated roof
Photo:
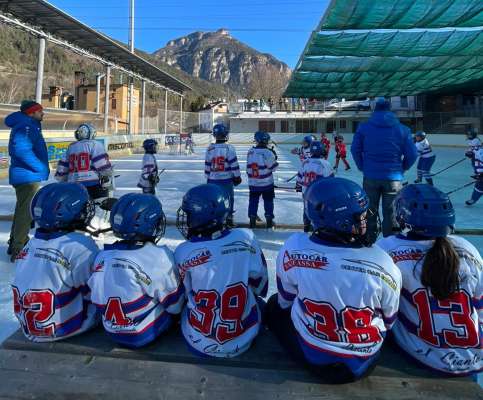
column 386, row 48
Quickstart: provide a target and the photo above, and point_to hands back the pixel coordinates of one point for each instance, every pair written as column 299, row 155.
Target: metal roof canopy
column 52, row 21
column 364, row 48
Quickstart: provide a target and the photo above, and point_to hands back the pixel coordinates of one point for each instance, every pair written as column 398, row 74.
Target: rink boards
column 91, row 365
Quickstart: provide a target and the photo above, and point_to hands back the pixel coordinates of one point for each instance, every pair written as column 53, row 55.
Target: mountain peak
column 218, row 57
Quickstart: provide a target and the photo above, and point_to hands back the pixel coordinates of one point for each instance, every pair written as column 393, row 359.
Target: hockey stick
column 461, row 187
column 287, row 189
column 450, row 166
column 292, row 178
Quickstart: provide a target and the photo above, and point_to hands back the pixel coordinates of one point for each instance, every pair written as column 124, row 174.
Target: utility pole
column 131, row 79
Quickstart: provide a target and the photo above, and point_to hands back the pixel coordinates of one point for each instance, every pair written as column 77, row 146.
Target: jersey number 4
column 354, row 326
column 458, row 308
column 38, row 308
column 79, row 162
column 231, row 307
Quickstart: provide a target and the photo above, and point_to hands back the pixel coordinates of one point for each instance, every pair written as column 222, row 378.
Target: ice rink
column 183, row 172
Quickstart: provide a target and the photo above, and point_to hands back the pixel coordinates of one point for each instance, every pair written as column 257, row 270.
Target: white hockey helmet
column 85, row 132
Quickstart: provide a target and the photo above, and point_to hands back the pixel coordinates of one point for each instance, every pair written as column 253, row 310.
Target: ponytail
column 440, row 269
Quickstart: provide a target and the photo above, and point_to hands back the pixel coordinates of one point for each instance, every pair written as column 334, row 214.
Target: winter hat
column 382, row 104
column 29, row 107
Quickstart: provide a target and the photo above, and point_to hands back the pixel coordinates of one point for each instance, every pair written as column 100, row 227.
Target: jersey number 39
column 231, row 305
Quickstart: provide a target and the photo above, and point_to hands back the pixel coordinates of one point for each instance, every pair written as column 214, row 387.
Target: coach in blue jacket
column 383, row 150
column 29, row 165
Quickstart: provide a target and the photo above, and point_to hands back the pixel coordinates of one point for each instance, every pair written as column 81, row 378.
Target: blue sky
column 278, row 27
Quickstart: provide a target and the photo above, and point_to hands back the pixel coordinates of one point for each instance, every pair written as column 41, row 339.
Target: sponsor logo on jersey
column 407, row 254
column 457, row 362
column 139, row 274
column 53, row 255
column 238, row 246
column 372, row 268
column 196, row 258
column 304, row 259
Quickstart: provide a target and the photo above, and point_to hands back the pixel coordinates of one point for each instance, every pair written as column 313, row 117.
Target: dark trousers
column 97, row 192
column 344, row 160
column 280, row 323
column 268, row 196
column 386, row 190
column 22, row 220
column 477, row 191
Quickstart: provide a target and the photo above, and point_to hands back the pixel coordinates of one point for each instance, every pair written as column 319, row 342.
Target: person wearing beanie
column 29, row 165
column 383, row 149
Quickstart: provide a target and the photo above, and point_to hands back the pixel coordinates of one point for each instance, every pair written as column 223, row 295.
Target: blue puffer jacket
column 29, row 160
column 383, row 148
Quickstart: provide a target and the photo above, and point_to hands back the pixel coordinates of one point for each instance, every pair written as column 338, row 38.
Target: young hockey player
column 473, row 141
column 326, row 142
column 50, row 294
column 135, row 283
column 149, row 175
column 476, row 157
column 189, row 145
column 86, row 162
column 439, row 321
column 312, row 169
column 261, row 163
column 341, row 152
column 304, row 151
column 224, row 274
column 426, row 158
column 221, row 165
column 337, row 295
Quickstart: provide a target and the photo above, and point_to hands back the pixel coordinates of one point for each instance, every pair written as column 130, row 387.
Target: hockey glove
column 106, row 182
column 237, row 180
column 470, row 154
column 153, row 179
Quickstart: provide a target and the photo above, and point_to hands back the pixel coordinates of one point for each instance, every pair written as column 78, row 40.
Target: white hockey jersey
column 478, row 161
column 222, row 278
column 261, row 163
column 424, row 149
column 312, row 169
column 50, row 293
column 221, row 163
column 445, row 335
column 150, row 167
column 84, row 162
column 136, row 289
column 343, row 299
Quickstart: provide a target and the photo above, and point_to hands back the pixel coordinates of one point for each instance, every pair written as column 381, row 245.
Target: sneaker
column 253, row 222
column 347, row 168
column 470, row 202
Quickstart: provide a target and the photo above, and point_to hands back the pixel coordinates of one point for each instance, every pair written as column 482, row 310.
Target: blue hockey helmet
column 204, row 210
column 262, row 137
column 317, row 149
column 138, row 217
column 85, row 132
column 150, row 146
column 336, row 206
column 425, row 210
column 62, row 206
column 308, row 140
column 420, row 134
column 471, row 134
column 220, row 131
